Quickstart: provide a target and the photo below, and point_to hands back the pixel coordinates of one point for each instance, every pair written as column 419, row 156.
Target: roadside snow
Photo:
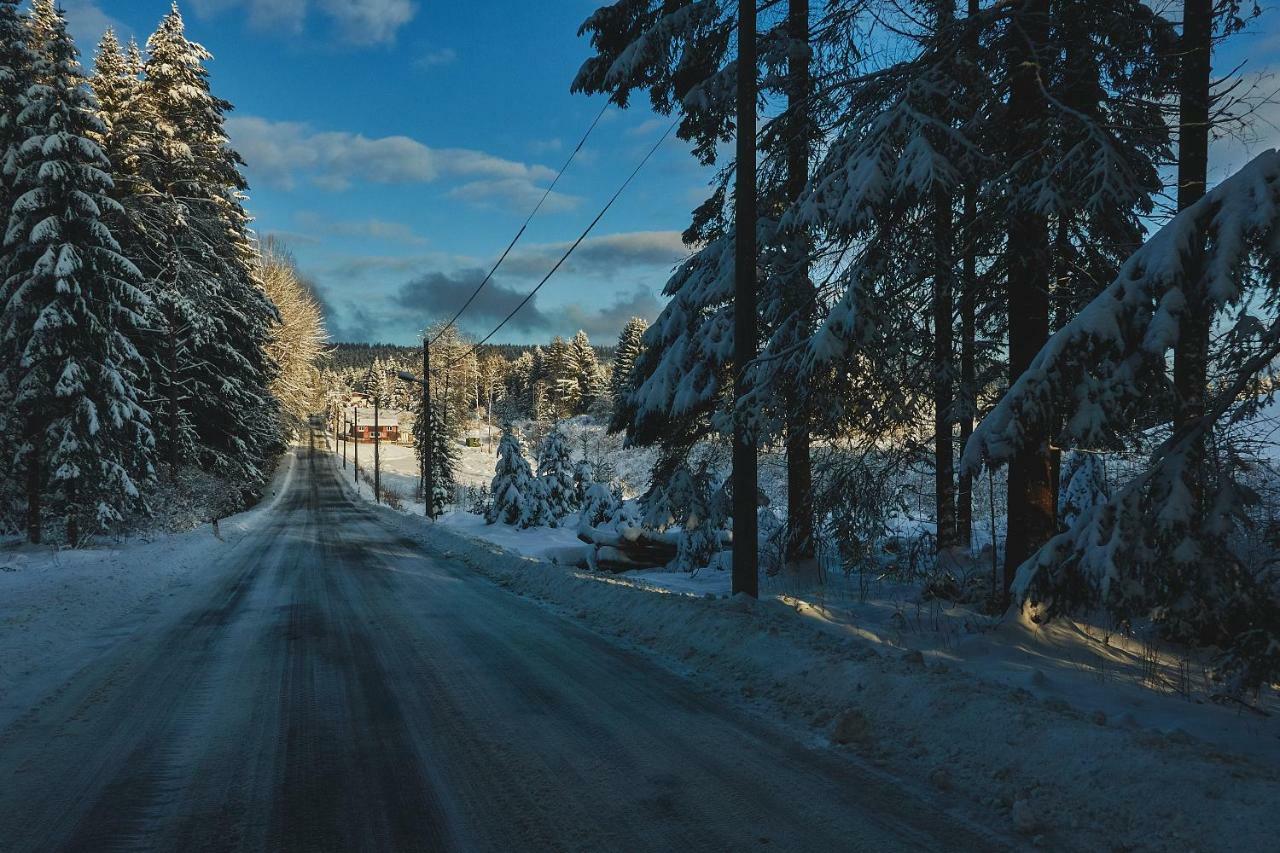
column 57, row 607
column 1074, row 743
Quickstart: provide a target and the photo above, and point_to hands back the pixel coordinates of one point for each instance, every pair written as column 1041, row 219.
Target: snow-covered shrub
column 685, row 498
column 856, row 499
column 1082, row 485
column 600, row 505
column 583, row 480
column 556, row 477
column 517, row 497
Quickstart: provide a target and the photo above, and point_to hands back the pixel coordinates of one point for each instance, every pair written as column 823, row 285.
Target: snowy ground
column 1075, row 740
column 58, row 607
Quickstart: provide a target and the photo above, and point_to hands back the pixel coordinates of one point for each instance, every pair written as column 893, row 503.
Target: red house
column 362, row 428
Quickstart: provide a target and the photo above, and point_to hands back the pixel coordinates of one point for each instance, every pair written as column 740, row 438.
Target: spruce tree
column 556, row 477
column 208, row 358
column 16, row 67
column 585, row 371
column 630, row 345
column 71, row 309
column 515, row 495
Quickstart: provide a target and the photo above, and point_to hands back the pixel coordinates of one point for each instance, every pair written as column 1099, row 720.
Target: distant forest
column 356, row 355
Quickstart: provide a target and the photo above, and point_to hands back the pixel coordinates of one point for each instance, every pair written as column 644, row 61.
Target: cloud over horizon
column 361, row 23
column 285, row 153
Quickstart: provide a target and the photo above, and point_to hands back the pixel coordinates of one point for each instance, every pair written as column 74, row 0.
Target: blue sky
column 396, row 146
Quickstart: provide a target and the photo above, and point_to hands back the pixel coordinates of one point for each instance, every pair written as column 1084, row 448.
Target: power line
column 527, row 220
column 571, row 248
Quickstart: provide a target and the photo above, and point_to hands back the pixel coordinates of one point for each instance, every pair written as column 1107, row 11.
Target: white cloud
column 366, row 229
column 360, row 22
column 647, row 127
column 282, row 153
column 86, row 21
column 432, row 58
column 515, row 194
column 604, row 256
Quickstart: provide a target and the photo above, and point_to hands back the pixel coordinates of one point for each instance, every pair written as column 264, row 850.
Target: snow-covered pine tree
column 42, row 25
column 584, row 477
column 556, row 477
column 687, row 501
column 516, row 497
column 71, row 309
column 600, row 505
column 444, row 460
column 586, row 373
column 16, row 69
column 209, row 359
column 1148, row 552
column 625, row 355
column 1082, row 485
column 561, row 379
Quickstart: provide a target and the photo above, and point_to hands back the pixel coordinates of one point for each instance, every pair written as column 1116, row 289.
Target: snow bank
column 57, row 606
column 986, row 715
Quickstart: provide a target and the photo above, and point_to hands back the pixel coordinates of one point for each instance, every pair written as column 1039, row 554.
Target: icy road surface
column 342, row 690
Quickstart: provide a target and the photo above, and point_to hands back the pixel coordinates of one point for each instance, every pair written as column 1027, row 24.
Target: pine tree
column 584, row 477
column 1083, row 486
column 556, row 477
column 208, row 359
column 16, row 66
column 444, row 452
column 42, row 26
column 72, row 308
column 587, row 383
column 516, row 496
column 561, row 380
column 601, row 504
column 630, row 345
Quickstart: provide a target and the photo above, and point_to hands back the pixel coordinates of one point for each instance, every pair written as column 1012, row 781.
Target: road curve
column 343, row 690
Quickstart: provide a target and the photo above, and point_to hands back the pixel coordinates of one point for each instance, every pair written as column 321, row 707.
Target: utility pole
column 377, row 460
column 428, row 460
column 355, row 464
column 745, row 558
column 344, row 439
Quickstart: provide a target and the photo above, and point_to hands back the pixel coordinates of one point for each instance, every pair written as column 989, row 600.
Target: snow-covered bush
column 685, row 498
column 517, row 497
column 600, row 505
column 583, row 479
column 857, row 498
column 1082, row 485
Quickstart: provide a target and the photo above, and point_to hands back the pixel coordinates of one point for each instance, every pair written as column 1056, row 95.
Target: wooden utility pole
column 745, row 557
column 377, row 460
column 428, row 460
column 355, row 463
column 344, row 439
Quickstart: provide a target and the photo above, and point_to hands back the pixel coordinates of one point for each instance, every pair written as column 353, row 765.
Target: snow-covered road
column 340, row 689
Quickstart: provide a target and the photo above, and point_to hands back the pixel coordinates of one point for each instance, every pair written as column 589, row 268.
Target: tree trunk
column 745, row 525
column 1191, row 356
column 968, row 402
column 33, row 489
column 800, row 544
column 1031, row 513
